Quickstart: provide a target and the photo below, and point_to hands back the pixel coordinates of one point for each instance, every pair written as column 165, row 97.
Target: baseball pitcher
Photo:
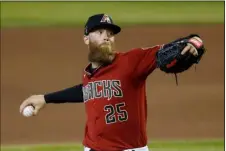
column 113, row 86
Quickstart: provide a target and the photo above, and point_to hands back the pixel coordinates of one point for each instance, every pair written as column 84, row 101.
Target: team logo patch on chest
column 102, row 89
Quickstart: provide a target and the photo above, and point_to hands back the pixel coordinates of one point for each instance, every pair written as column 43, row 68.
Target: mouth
column 105, row 43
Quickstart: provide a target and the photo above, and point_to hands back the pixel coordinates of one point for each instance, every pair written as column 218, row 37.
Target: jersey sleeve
column 144, row 61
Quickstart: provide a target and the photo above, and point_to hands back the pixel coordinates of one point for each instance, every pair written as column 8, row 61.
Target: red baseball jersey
column 115, row 101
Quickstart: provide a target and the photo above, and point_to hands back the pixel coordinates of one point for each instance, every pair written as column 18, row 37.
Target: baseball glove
column 170, row 60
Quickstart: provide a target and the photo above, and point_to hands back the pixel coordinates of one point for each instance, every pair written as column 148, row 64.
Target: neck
column 98, row 64
column 95, row 65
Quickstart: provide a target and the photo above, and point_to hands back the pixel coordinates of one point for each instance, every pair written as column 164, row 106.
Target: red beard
column 102, row 54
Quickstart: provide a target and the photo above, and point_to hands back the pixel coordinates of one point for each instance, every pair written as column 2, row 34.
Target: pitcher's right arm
column 69, row 95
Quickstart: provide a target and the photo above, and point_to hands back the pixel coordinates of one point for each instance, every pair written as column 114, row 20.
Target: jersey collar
column 89, row 66
column 88, row 69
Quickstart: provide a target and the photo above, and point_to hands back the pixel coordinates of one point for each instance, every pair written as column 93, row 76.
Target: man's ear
column 86, row 39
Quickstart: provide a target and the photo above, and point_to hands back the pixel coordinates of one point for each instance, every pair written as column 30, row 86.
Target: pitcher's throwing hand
column 37, row 101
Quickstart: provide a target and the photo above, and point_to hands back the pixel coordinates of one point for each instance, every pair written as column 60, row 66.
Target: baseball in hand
column 28, row 111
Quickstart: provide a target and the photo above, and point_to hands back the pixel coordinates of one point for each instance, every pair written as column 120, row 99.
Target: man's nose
column 106, row 36
column 106, row 39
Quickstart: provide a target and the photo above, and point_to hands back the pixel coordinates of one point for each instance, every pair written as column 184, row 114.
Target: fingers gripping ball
column 28, row 111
